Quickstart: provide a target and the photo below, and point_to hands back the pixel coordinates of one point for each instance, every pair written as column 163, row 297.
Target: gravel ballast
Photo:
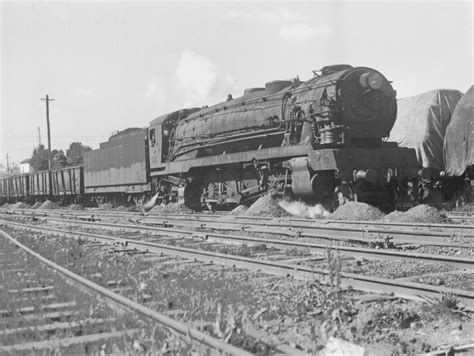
column 357, row 211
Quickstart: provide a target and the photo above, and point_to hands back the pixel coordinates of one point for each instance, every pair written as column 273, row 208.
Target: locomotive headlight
column 371, row 80
column 375, row 81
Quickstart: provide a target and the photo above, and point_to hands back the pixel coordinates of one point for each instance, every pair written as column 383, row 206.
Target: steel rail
column 450, row 351
column 321, row 232
column 461, row 217
column 272, row 222
column 65, row 342
column 399, row 288
column 294, row 220
column 167, row 228
column 464, row 263
column 302, row 224
column 311, row 220
column 178, row 327
column 395, row 224
column 292, row 230
column 461, row 213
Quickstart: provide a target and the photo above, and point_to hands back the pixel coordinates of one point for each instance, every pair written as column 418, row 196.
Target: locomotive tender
column 321, row 140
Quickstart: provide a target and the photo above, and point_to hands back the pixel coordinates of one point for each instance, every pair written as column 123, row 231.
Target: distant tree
column 13, row 169
column 59, row 159
column 75, row 153
column 39, row 159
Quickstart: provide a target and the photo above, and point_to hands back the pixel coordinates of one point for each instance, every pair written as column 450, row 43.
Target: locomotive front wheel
column 192, row 196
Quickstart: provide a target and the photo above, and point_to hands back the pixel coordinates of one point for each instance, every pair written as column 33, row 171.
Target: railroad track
column 40, row 311
column 404, row 232
column 384, row 253
column 347, row 241
column 375, row 226
column 367, row 234
column 146, row 241
column 464, row 215
column 399, row 288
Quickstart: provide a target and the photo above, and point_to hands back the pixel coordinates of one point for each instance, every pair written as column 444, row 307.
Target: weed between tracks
column 241, row 308
column 24, row 315
column 151, row 338
column 170, row 291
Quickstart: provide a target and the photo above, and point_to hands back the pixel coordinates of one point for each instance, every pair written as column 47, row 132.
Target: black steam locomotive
column 320, row 140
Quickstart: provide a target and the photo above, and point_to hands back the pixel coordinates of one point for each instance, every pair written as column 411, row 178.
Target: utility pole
column 8, row 164
column 49, row 144
column 49, row 132
column 39, row 136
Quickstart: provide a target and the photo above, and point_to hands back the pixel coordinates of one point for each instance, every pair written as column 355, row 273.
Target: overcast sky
column 115, row 65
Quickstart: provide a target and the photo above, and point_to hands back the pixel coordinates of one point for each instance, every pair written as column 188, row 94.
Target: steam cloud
column 199, row 80
column 299, row 208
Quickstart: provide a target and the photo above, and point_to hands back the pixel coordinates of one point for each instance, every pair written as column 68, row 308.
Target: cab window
column 152, row 137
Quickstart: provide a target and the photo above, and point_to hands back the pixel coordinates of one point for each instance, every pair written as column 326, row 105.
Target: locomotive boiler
column 321, row 140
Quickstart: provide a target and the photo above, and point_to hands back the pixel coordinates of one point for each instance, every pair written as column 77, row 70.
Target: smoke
column 303, row 210
column 200, row 81
column 151, row 203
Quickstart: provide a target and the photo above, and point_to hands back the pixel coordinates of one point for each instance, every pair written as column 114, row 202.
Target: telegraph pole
column 49, row 144
column 8, row 164
column 39, row 136
column 49, row 132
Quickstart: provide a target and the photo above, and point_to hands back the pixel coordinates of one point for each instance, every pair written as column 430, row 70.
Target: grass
column 74, row 254
column 445, row 306
column 197, row 294
column 324, row 304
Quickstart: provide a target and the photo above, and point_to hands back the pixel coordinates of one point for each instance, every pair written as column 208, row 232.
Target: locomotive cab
column 161, row 136
column 155, row 145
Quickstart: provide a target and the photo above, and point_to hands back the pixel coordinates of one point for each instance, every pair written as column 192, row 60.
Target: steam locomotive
column 320, row 140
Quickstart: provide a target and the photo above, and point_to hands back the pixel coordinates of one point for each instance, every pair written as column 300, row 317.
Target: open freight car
column 39, row 186
column 4, row 192
column 18, row 187
column 66, row 185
